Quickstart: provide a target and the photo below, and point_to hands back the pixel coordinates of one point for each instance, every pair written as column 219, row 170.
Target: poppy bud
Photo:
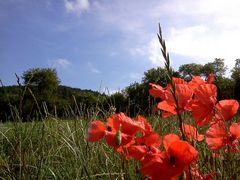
column 118, row 138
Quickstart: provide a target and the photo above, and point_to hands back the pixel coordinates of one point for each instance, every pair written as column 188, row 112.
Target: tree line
column 41, row 95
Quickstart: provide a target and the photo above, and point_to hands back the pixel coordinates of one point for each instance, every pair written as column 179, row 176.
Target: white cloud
column 198, row 30
column 137, row 51
column 205, row 29
column 154, row 53
column 76, row 6
column 60, row 63
column 92, row 68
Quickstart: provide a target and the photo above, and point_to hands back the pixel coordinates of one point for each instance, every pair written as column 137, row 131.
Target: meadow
column 54, row 149
column 58, row 149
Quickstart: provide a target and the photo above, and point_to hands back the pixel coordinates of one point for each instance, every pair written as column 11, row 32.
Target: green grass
column 57, row 149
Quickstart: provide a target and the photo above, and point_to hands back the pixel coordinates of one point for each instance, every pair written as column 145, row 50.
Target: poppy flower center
column 109, row 129
column 172, row 161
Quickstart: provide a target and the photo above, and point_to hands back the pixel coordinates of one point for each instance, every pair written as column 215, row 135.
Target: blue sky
column 98, row 44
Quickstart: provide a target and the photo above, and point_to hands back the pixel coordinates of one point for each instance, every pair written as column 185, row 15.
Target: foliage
column 236, row 77
column 217, row 67
column 44, row 81
column 189, row 70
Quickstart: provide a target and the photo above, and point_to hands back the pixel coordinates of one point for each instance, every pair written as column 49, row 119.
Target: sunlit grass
column 57, row 149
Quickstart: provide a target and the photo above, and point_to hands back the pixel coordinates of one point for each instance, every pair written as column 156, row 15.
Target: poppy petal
column 216, row 135
column 169, row 139
column 235, row 130
column 195, row 82
column 191, row 133
column 227, row 109
column 95, row 131
column 203, row 103
column 182, row 152
column 157, row 91
column 137, row 152
column 210, row 78
column 152, row 139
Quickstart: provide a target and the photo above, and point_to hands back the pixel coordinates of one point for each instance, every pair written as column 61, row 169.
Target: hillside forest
column 38, row 93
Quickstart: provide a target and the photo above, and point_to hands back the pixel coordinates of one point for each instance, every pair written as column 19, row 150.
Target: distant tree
column 157, row 75
column 217, row 67
column 137, row 95
column 236, row 70
column 189, row 70
column 44, row 81
column 119, row 101
column 236, row 78
column 207, row 69
column 225, row 88
column 41, row 96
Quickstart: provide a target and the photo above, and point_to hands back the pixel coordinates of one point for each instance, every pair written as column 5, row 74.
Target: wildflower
column 183, row 93
column 191, row 133
column 170, row 163
column 203, row 103
column 217, row 136
column 226, row 109
column 194, row 173
column 120, row 130
column 157, row 91
column 148, row 142
column 196, row 81
column 96, row 131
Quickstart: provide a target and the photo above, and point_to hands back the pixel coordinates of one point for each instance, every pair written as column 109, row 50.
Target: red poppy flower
column 169, row 139
column 181, row 153
column 191, row 133
column 142, row 152
column 197, row 175
column 157, row 91
column 129, row 125
column 195, row 82
column 178, row 80
column 150, row 139
column 146, row 127
column 210, row 78
column 183, row 93
column 217, row 136
column 203, row 103
column 170, row 163
column 111, row 139
column 120, row 131
column 235, row 130
column 159, row 167
column 96, row 131
column 226, row 109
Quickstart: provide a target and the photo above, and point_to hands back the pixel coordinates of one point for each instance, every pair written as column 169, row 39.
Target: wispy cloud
column 92, row 68
column 154, row 53
column 137, row 51
column 211, row 31
column 60, row 63
column 195, row 29
column 76, row 6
